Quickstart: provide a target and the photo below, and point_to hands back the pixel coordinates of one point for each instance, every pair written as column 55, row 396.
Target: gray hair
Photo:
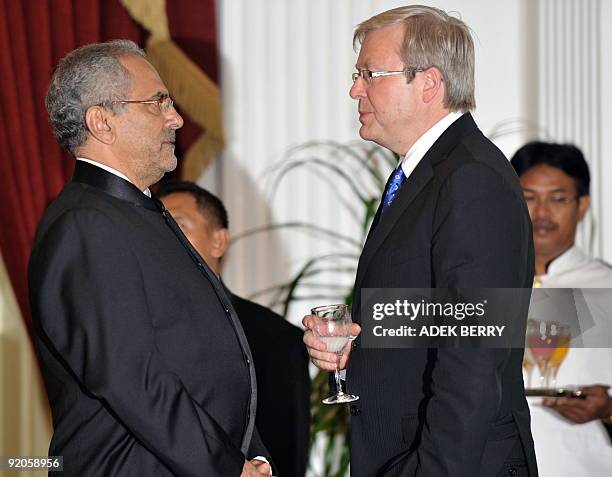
column 433, row 38
column 88, row 76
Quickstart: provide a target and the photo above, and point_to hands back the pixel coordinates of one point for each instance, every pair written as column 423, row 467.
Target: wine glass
column 556, row 360
column 528, row 365
column 542, row 341
column 332, row 326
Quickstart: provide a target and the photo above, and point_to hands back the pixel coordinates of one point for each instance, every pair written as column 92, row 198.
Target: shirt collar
column 572, row 258
column 424, row 143
column 146, row 192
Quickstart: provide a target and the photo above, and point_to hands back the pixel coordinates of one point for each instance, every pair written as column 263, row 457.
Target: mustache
column 544, row 224
column 170, row 137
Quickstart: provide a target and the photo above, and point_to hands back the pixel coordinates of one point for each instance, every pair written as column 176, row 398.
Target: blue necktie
column 393, row 188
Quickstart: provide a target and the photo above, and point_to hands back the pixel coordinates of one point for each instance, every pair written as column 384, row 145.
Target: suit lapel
column 111, row 184
column 414, row 184
column 378, row 213
column 420, row 177
column 224, row 296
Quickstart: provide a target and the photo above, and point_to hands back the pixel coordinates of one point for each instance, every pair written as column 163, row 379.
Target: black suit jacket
column 283, row 385
column 147, row 368
column 459, row 221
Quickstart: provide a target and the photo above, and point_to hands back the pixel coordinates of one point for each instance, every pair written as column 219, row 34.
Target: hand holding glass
column 332, row 326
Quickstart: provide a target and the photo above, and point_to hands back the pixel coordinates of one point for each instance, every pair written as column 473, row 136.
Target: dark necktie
column 393, row 188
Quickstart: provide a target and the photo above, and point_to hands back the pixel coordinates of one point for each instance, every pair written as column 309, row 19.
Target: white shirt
column 574, row 269
column 424, row 143
column 562, row 447
column 146, row 192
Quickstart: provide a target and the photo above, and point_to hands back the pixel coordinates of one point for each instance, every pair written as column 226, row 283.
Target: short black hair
column 207, row 202
column 566, row 157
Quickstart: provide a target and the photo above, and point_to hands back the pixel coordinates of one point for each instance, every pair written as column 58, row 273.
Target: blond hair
column 432, row 39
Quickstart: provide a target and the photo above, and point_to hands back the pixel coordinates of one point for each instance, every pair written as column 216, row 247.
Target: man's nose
column 540, row 209
column 174, row 119
column 357, row 90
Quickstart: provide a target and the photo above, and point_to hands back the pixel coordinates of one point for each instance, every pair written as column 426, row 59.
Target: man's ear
column 432, row 84
column 583, row 206
column 100, row 124
column 219, row 242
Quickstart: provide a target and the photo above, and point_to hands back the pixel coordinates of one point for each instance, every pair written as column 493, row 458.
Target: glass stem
column 547, row 375
column 543, row 376
column 553, row 376
column 529, row 374
column 337, row 376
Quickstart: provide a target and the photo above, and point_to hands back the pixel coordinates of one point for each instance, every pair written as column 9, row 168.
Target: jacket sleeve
column 93, row 309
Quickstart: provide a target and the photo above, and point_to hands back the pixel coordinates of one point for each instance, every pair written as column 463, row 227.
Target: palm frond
column 325, row 165
column 293, row 285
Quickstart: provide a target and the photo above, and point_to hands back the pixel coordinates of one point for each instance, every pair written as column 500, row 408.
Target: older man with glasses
column 147, row 367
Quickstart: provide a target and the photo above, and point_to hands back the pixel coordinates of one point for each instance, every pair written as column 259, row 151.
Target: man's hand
column 255, row 468
column 321, row 358
column 596, row 405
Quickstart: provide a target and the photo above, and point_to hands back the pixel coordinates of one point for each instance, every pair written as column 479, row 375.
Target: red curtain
column 34, row 35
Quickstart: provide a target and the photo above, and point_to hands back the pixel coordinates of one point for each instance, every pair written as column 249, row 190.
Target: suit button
column 512, row 471
column 354, row 410
column 227, row 311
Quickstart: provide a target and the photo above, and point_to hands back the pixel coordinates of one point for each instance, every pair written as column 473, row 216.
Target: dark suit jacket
column 147, row 368
column 459, row 221
column 283, row 385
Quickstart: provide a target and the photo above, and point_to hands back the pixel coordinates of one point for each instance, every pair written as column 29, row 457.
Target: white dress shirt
column 424, row 143
column 574, row 269
column 562, row 447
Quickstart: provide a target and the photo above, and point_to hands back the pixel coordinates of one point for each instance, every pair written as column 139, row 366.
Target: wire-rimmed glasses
column 368, row 75
column 164, row 102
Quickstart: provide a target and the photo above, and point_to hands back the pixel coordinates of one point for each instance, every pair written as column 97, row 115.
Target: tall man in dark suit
column 281, row 362
column 147, row 368
column 453, row 215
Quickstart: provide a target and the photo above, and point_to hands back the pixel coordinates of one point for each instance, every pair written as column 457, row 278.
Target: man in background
column 146, row 366
column 452, row 215
column 569, row 434
column 281, row 362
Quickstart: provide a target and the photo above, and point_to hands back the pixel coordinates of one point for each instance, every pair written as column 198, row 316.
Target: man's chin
column 171, row 163
column 167, row 166
column 547, row 247
column 365, row 133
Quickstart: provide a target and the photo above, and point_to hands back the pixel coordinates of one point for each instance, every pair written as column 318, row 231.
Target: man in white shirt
column 568, row 433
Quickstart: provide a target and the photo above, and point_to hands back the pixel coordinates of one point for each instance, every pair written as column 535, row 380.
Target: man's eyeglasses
column 553, row 202
column 164, row 102
column 368, row 75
